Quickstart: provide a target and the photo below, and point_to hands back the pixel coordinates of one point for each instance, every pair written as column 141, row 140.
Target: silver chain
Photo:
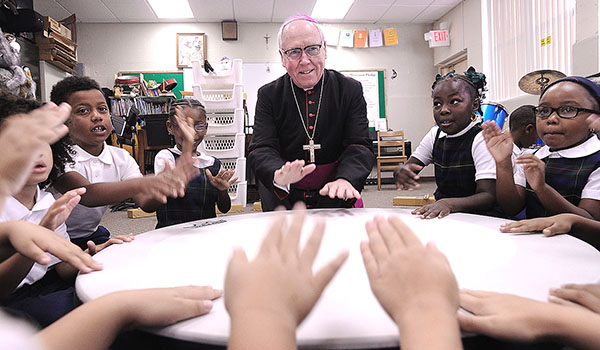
column 318, row 107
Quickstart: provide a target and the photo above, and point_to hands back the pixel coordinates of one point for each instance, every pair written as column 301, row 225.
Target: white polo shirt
column 485, row 166
column 112, row 165
column 165, row 156
column 591, row 189
column 15, row 211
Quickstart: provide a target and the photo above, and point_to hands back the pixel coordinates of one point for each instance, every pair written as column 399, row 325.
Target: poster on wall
column 371, row 90
column 190, row 47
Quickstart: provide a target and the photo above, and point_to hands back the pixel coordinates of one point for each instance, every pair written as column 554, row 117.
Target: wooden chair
column 390, row 152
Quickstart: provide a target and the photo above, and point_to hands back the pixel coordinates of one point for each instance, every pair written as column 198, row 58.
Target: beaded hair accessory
column 472, row 77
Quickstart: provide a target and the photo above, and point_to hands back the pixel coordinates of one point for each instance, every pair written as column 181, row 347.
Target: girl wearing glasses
column 203, row 191
column 563, row 175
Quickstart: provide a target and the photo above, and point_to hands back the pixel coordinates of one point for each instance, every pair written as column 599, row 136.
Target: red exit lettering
column 440, row 36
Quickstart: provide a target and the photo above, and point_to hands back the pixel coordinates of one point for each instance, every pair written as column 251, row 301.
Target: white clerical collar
column 592, row 145
column 460, row 133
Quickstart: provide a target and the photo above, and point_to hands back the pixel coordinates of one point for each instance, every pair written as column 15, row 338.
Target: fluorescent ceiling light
column 171, row 8
column 331, row 9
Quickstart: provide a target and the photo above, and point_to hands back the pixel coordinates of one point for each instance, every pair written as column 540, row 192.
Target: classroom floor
column 118, row 222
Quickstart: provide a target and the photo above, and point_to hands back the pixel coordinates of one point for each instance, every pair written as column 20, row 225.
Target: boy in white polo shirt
column 114, row 173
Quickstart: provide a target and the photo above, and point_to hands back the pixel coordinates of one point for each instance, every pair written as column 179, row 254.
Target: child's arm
column 413, row 283
column 267, row 298
column 21, row 139
column 406, row 175
column 509, row 196
column 125, row 310
column 148, row 191
column 585, row 229
column 586, row 295
column 12, row 271
column 481, row 201
column 511, row 317
column 33, row 241
column 221, row 182
column 552, row 201
column 65, row 270
column 60, row 210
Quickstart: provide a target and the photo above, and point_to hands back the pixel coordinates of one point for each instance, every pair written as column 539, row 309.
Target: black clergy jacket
column 341, row 128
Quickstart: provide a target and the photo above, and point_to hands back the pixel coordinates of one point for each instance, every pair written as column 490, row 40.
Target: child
column 464, row 169
column 45, row 292
column 96, row 162
column 563, row 175
column 203, row 191
column 522, row 129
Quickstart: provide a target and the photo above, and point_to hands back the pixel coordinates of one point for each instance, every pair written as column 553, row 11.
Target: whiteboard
column 256, row 75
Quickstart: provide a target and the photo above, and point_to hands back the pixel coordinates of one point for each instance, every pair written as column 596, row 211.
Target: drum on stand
column 494, row 111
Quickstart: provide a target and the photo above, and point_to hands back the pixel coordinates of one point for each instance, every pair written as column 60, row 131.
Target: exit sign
column 438, row 38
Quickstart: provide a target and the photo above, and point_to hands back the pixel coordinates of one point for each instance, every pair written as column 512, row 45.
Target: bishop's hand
column 339, row 188
column 293, row 172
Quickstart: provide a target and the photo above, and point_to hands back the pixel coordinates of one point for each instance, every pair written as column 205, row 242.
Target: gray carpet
column 118, row 223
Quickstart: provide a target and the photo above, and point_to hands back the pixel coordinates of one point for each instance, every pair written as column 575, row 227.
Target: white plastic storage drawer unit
column 224, row 146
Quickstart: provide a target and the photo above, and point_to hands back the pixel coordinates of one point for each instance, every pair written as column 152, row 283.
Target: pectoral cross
column 311, row 147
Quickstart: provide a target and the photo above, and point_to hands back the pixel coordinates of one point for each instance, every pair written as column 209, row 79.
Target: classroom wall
column 464, row 24
column 105, row 49
column 586, row 57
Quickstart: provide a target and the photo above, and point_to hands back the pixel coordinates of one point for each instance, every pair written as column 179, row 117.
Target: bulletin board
column 373, row 83
column 159, row 76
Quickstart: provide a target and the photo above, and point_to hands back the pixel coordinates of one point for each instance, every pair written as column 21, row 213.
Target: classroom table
column 347, row 315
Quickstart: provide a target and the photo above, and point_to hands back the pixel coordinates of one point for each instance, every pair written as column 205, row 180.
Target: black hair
column 521, row 116
column 62, row 150
column 62, row 90
column 185, row 102
column 592, row 88
column 475, row 82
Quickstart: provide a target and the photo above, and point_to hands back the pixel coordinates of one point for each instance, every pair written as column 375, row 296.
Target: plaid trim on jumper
column 198, row 203
column 454, row 165
column 568, row 176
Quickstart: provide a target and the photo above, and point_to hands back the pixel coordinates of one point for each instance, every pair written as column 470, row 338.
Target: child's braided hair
column 185, row 102
column 476, row 82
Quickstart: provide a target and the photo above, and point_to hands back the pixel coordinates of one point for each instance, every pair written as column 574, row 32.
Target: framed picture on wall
column 190, row 47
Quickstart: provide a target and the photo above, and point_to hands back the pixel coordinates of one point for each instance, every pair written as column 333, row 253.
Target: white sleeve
column 485, row 166
column 591, row 190
column 161, row 159
column 424, row 151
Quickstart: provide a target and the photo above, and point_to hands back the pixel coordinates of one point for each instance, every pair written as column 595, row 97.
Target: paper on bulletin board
column 347, row 38
column 370, row 85
column 375, row 38
column 332, row 36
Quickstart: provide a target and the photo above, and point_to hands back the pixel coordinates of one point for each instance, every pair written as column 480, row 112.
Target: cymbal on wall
column 534, row 82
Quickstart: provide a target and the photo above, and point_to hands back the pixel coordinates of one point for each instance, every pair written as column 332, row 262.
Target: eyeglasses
column 565, row 112
column 200, row 127
column 296, row 53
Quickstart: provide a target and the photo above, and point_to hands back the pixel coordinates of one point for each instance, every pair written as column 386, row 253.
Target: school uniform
column 460, row 160
column 200, row 195
column 112, row 165
column 42, row 294
column 572, row 172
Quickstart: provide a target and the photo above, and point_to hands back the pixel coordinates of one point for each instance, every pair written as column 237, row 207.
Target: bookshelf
column 151, row 129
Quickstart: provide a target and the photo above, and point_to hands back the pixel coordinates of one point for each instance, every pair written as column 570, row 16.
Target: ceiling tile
column 250, row 11
column 402, row 13
column 206, row 11
column 433, row 13
column 89, row 10
column 50, row 8
column 287, row 8
column 363, row 11
column 131, row 10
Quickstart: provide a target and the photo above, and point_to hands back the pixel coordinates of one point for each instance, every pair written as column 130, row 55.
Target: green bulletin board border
column 380, row 85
